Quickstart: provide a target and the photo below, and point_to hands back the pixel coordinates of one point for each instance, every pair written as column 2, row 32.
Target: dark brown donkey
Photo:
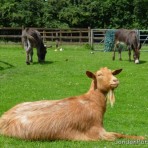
column 31, row 38
column 130, row 38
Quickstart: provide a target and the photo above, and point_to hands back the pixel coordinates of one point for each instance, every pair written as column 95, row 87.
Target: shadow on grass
column 132, row 61
column 44, row 63
column 6, row 65
column 142, row 62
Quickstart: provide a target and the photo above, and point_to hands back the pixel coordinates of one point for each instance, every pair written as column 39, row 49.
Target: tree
column 74, row 13
column 140, row 14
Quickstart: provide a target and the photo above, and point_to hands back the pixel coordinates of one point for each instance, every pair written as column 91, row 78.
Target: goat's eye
column 100, row 74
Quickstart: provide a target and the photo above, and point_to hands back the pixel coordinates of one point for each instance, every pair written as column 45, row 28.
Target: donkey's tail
column 27, row 35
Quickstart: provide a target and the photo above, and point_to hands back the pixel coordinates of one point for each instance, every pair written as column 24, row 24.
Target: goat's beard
column 111, row 97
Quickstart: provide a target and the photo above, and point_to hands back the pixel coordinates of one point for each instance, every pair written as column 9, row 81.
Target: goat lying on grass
column 74, row 118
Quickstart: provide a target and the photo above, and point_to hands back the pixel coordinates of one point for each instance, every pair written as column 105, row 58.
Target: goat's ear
column 90, row 74
column 115, row 72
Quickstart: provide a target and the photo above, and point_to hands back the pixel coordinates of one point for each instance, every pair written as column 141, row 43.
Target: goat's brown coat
column 74, row 118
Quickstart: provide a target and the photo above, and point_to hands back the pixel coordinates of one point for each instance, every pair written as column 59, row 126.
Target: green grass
column 63, row 75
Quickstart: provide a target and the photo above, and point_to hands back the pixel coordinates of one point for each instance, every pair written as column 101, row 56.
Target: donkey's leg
column 38, row 54
column 129, row 53
column 114, row 50
column 31, row 55
column 28, row 56
column 26, row 47
column 119, row 51
column 28, row 50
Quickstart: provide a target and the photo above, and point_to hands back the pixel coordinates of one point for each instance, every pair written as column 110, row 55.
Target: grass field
column 63, row 75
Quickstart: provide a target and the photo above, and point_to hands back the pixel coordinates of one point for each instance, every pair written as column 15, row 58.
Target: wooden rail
column 64, row 36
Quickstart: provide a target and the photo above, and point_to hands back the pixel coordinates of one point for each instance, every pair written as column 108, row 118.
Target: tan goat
column 74, row 118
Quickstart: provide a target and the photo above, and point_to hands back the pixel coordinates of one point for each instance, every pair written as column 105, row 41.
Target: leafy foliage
column 74, row 13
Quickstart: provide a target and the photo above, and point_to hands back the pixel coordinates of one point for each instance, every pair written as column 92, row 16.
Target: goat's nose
column 115, row 80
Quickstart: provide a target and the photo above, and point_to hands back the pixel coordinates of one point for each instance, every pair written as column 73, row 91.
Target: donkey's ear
column 90, row 74
column 139, row 46
column 115, row 72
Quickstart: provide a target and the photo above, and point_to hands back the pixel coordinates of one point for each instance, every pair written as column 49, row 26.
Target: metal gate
column 98, row 38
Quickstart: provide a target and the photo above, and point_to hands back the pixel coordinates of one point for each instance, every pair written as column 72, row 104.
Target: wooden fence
column 64, row 36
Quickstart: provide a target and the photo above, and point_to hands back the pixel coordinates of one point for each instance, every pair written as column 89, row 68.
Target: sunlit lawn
column 63, row 75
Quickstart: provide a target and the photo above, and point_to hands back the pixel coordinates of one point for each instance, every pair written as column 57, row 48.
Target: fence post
column 91, row 42
column 44, row 36
column 80, row 36
column 89, row 35
column 60, row 36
